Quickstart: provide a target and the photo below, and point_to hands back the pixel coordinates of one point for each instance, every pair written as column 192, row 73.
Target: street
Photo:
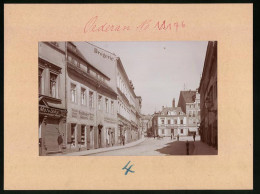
column 162, row 147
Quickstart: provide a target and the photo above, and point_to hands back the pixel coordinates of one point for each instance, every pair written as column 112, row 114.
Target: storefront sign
column 103, row 54
column 52, row 111
column 74, row 113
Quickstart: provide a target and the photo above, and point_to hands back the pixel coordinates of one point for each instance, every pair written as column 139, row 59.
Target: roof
column 188, row 96
column 79, row 54
column 165, row 110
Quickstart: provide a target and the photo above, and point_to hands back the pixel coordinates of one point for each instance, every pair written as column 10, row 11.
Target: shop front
column 52, row 124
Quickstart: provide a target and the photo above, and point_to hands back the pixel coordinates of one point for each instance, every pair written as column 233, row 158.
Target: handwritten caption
column 128, row 169
column 93, row 25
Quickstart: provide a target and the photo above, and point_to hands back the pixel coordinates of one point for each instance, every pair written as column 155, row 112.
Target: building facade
column 86, row 97
column 128, row 104
column 208, row 97
column 145, row 124
column 189, row 101
column 91, row 104
column 52, row 104
column 170, row 121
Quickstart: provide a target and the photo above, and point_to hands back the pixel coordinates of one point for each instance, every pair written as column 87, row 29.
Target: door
column 51, row 135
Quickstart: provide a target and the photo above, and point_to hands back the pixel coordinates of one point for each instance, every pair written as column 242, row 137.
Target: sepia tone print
column 110, row 98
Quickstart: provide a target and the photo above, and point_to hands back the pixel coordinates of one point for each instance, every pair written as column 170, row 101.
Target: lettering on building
column 52, row 111
column 103, row 54
column 74, row 113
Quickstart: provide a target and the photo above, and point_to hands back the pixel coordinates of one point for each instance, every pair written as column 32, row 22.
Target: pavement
column 152, row 147
column 100, row 150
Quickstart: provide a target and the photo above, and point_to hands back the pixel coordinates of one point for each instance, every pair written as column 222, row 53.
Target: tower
column 173, row 102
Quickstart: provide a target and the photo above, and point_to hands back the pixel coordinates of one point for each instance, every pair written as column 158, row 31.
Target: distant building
column 145, row 123
column 170, row 121
column 208, row 97
column 189, row 101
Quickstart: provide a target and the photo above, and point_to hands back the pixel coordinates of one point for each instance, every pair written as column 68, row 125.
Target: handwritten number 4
column 128, row 169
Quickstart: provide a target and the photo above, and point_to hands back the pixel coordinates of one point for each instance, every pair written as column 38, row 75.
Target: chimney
column 173, row 103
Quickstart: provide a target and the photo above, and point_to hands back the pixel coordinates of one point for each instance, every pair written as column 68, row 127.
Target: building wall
column 167, row 129
column 52, row 106
column 97, row 118
column 208, row 93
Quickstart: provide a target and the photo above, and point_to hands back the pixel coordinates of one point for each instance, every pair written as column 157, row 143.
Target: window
column 112, row 107
column 40, row 80
column 83, row 96
column 181, row 121
column 91, row 100
column 107, row 109
column 175, row 121
column 83, row 134
column 169, row 121
column 73, row 92
column 162, row 121
column 181, row 130
column 99, row 102
column 53, row 85
column 162, row 131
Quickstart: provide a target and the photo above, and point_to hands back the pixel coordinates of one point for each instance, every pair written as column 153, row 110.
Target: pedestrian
column 153, row 136
column 178, row 137
column 194, row 136
column 187, row 147
column 171, row 136
column 60, row 141
column 123, row 140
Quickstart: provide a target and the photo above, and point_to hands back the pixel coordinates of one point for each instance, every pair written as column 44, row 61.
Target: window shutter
column 69, row 132
column 79, row 133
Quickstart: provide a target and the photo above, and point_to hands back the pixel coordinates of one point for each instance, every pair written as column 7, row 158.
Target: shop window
column 83, row 96
column 91, row 100
column 112, row 107
column 73, row 93
column 53, row 85
column 99, row 102
column 73, row 130
column 83, row 134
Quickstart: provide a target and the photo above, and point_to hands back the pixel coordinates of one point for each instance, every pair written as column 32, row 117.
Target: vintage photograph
column 155, row 98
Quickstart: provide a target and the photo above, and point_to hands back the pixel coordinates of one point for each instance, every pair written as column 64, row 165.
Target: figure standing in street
column 194, row 136
column 178, row 137
column 123, row 140
column 187, row 147
column 60, row 141
column 171, row 136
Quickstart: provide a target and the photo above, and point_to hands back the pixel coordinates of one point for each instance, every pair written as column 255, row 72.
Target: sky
column 159, row 70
